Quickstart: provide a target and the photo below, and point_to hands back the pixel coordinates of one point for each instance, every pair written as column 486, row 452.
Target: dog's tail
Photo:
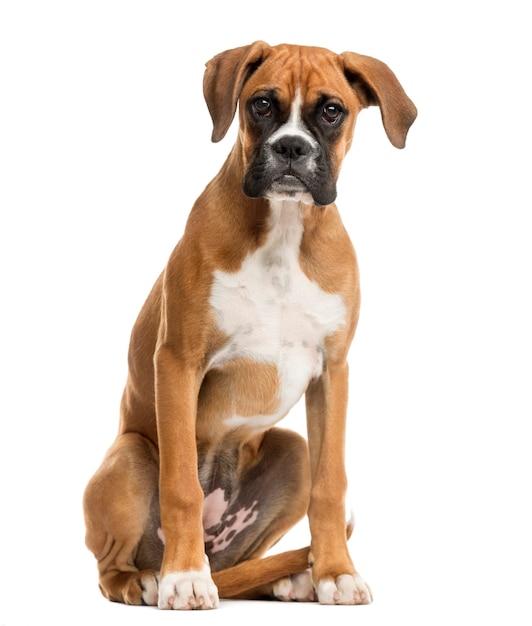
column 252, row 574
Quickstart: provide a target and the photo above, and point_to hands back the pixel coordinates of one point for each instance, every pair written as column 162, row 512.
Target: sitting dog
column 257, row 306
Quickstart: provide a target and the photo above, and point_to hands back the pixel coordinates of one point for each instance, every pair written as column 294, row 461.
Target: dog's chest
column 272, row 313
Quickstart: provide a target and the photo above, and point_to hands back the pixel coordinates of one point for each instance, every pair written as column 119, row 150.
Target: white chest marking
column 273, row 313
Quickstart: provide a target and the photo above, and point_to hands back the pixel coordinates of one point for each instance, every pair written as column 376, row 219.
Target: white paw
column 188, row 590
column 295, row 587
column 347, row 589
column 150, row 589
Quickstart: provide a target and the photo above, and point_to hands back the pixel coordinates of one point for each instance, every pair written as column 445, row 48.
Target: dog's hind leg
column 249, row 507
column 117, row 504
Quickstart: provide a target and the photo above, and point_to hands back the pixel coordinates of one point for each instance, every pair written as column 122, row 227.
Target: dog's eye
column 262, row 107
column 331, row 113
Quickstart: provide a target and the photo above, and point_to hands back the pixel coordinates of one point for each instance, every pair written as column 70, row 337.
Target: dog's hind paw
column 347, row 589
column 188, row 590
column 150, row 588
column 295, row 587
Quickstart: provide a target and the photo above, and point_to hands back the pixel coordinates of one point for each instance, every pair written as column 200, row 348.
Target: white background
column 105, row 144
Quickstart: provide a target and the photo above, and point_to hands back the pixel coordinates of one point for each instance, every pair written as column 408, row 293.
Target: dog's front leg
column 334, row 576
column 185, row 578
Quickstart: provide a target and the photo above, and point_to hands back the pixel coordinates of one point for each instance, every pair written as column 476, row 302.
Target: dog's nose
column 292, row 147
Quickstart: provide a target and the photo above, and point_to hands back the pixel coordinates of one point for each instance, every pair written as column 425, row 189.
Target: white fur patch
column 188, row 590
column 295, row 587
column 150, row 589
column 294, row 126
column 346, row 589
column 274, row 314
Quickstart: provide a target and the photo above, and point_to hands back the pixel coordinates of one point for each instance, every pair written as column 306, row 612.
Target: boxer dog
column 257, row 306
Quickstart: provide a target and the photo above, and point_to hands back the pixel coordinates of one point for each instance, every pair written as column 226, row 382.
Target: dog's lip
column 290, row 187
column 289, row 182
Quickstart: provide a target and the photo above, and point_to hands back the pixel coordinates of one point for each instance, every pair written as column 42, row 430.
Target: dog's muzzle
column 290, row 167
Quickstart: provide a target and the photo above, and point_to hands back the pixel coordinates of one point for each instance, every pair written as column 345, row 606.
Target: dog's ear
column 224, row 78
column 378, row 85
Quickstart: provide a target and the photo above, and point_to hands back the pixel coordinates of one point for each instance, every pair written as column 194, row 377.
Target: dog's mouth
column 290, row 187
column 289, row 184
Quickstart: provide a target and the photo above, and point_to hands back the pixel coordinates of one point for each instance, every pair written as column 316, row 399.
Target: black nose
column 292, row 147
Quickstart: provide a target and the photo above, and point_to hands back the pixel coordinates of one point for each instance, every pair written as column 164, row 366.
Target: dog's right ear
column 224, row 78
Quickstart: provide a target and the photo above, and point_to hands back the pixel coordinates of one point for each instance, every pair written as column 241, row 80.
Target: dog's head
column 298, row 107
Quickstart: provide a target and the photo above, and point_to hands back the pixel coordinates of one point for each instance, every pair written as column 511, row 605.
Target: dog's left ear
column 379, row 86
column 224, row 78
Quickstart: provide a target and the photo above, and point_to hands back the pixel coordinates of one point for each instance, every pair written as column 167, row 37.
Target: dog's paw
column 188, row 590
column 347, row 589
column 295, row 587
column 149, row 583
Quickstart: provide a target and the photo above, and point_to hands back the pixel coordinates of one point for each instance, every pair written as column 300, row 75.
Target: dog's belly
column 276, row 321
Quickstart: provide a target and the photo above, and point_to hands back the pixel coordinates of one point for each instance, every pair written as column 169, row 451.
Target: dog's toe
column 188, row 590
column 296, row 587
column 150, row 588
column 347, row 589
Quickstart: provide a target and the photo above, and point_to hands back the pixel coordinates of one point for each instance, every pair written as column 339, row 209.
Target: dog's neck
column 255, row 216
